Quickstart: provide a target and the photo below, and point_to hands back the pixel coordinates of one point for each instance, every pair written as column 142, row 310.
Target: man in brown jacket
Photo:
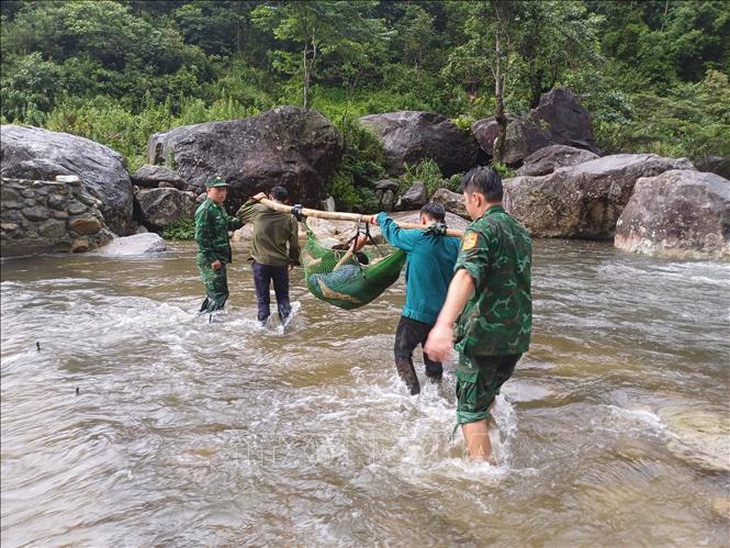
column 274, row 251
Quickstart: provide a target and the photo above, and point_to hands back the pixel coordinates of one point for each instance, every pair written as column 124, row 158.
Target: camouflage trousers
column 478, row 381
column 216, row 286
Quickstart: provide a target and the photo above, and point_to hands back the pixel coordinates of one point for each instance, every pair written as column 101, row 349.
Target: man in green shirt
column 214, row 250
column 274, row 251
column 490, row 302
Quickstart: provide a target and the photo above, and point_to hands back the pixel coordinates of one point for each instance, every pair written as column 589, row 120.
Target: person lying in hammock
column 358, row 242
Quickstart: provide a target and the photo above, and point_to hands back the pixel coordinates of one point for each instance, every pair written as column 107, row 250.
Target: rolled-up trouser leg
column 280, row 275
column 262, row 281
column 405, row 343
column 216, row 286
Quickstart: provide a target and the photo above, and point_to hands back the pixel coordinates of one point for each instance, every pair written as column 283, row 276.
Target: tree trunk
column 307, row 78
column 499, row 117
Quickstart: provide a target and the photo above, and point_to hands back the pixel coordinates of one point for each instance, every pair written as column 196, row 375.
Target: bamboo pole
column 340, row 216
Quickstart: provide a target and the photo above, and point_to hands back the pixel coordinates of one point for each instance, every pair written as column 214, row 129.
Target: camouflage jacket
column 211, row 232
column 497, row 251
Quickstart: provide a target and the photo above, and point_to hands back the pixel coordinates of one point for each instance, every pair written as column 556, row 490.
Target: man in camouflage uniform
column 489, row 300
column 214, row 250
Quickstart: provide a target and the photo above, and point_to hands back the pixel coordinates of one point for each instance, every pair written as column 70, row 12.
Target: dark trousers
column 408, row 336
column 262, row 277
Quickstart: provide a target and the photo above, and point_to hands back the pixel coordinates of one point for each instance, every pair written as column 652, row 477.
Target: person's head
column 432, row 212
column 216, row 189
column 482, row 188
column 279, row 193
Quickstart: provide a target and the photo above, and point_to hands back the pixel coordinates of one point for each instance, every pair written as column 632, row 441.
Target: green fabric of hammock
column 353, row 284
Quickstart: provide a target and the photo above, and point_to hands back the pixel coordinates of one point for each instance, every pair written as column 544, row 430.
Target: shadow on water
column 138, row 422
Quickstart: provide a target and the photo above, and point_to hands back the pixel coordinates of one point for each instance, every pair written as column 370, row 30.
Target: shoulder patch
column 469, row 241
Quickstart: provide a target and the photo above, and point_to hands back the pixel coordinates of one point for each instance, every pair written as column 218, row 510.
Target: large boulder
column 150, row 176
column 714, row 164
column 385, row 191
column 548, row 159
column 160, row 208
column 677, row 214
column 453, row 202
column 485, row 133
column 568, row 122
column 559, row 119
column 414, row 216
column 413, row 198
column 582, row 201
column 37, row 154
column 286, row 146
column 524, row 136
column 411, row 136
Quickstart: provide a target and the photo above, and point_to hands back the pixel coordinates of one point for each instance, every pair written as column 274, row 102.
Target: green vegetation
column 361, row 167
column 504, row 170
column 426, row 171
column 653, row 74
column 182, row 230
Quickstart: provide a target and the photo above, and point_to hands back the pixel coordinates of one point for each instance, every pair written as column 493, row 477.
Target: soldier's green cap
column 215, row 182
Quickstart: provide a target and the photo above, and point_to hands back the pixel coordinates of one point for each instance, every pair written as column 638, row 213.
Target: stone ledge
column 49, row 217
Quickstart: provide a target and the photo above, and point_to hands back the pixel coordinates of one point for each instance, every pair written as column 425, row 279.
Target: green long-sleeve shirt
column 273, row 232
column 211, row 232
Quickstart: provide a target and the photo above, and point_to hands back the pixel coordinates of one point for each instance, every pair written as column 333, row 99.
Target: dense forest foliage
column 653, row 73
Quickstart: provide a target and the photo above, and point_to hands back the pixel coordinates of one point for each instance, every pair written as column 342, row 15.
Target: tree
column 491, row 28
column 522, row 48
column 318, row 27
column 555, row 36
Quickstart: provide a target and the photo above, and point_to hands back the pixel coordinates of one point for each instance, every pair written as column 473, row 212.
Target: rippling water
column 127, row 420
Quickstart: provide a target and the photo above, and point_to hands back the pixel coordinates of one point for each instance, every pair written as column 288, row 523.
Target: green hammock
column 352, row 285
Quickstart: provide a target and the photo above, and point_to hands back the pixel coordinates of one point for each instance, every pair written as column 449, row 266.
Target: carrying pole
column 340, row 216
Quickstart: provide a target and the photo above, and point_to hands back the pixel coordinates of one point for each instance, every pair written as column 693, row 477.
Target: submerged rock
column 700, row 438
column 147, row 243
column 721, row 507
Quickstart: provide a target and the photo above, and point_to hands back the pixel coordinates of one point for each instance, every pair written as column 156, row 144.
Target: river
column 127, row 420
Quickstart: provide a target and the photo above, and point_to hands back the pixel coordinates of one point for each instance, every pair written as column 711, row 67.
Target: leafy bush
column 28, row 87
column 361, row 166
column 690, row 120
column 105, row 120
column 453, row 183
column 464, row 122
column 184, row 229
column 504, row 170
column 427, row 171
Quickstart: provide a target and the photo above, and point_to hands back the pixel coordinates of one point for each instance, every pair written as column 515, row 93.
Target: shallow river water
column 127, row 420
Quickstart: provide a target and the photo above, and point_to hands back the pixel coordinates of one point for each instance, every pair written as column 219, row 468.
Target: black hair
column 434, row 211
column 279, row 193
column 483, row 179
